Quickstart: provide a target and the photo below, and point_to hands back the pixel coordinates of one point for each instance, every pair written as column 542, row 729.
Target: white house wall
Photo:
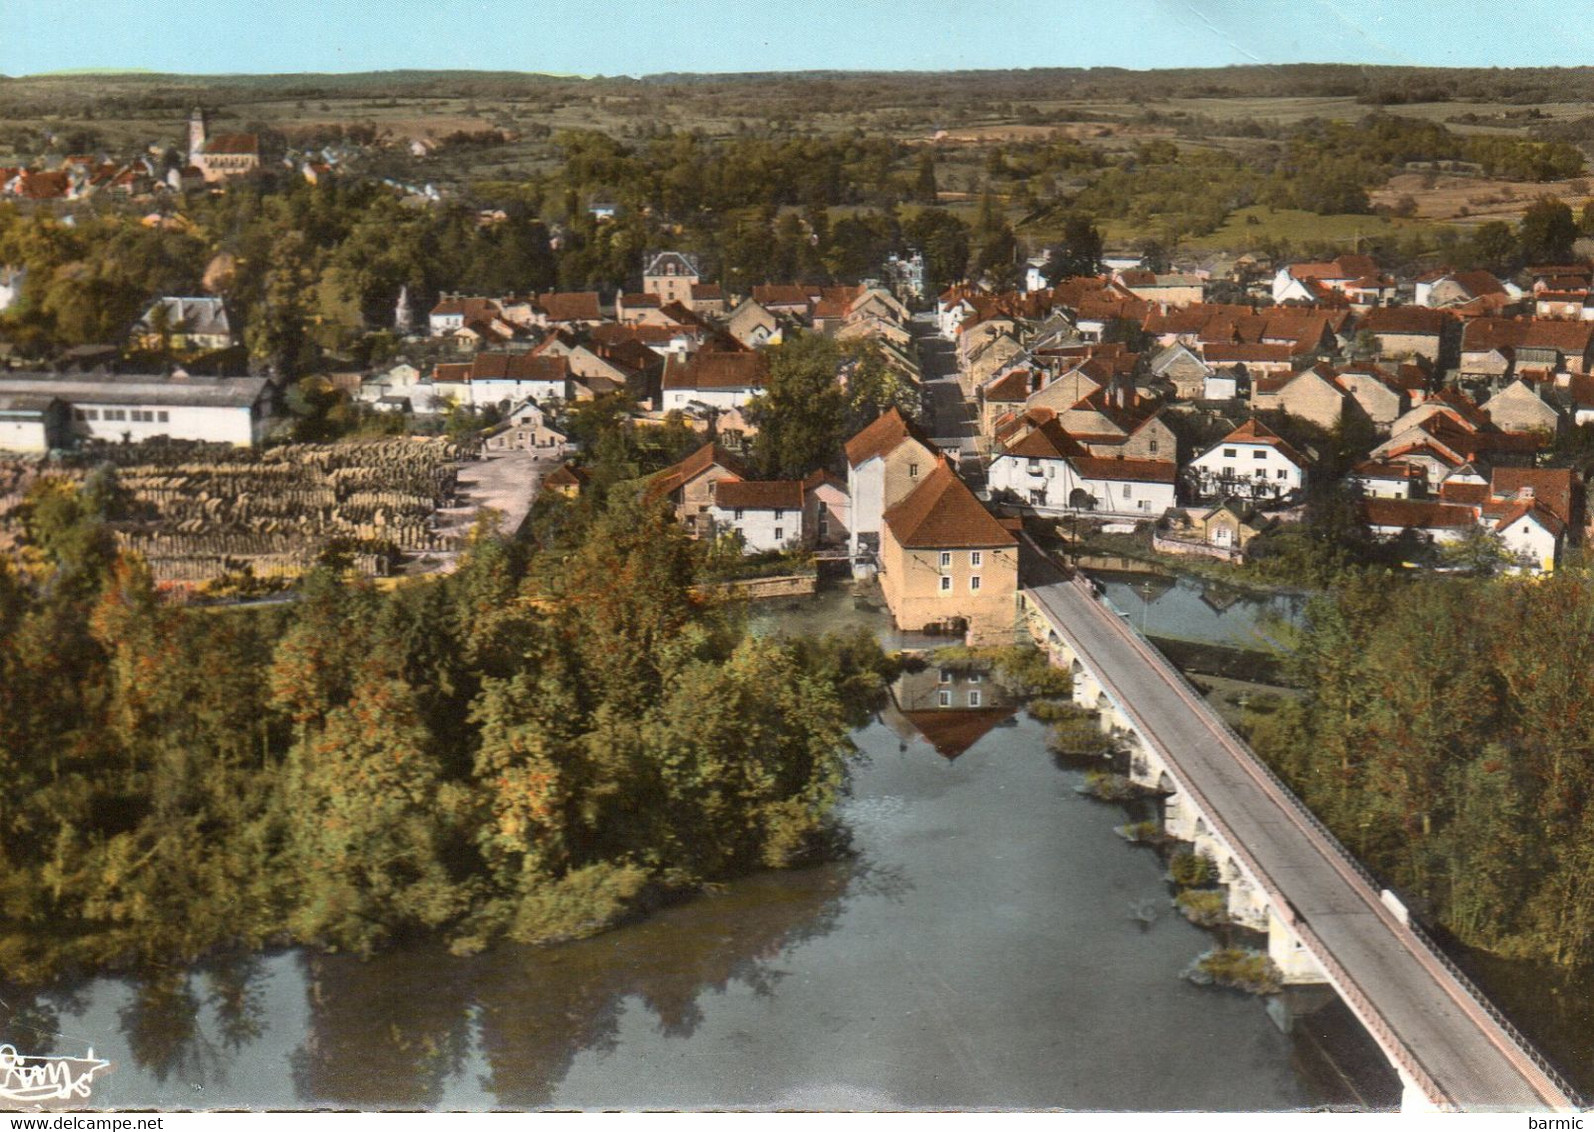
column 762, row 529
column 23, row 436
column 225, row 425
column 684, row 399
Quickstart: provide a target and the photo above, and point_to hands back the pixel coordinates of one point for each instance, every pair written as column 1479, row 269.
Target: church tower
column 403, row 313
column 196, row 137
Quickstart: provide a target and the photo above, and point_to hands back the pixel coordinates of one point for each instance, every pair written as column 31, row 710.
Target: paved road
column 947, row 416
column 507, row 482
column 1419, row 1005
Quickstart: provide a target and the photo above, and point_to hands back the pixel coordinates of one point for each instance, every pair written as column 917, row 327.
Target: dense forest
column 1447, row 737
column 529, row 748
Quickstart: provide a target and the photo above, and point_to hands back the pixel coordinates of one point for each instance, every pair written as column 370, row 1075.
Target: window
column 944, row 699
column 974, row 584
column 946, row 559
column 1129, row 490
column 1153, row 448
column 1283, row 473
column 946, row 676
column 91, row 414
column 1145, row 505
column 974, row 699
column 1034, row 467
column 913, row 471
column 976, row 558
column 975, row 678
column 738, row 514
column 946, row 585
column 780, row 534
column 779, row 514
column 1260, row 454
column 78, row 415
column 1231, row 453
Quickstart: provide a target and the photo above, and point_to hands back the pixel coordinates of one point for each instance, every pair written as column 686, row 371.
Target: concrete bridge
column 1326, row 919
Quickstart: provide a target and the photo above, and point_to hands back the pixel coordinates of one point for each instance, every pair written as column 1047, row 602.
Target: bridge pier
column 1289, row 954
column 1214, row 794
column 1298, row 1002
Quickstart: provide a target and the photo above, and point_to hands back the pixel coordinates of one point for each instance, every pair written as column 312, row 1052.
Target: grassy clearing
column 1247, row 227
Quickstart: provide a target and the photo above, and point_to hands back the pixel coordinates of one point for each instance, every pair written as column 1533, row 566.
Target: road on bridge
column 1472, row 1060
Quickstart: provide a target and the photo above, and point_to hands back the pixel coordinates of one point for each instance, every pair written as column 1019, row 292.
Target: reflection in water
column 975, row 953
column 539, row 1009
column 161, row 1024
column 949, row 708
column 385, row 1034
column 1193, row 609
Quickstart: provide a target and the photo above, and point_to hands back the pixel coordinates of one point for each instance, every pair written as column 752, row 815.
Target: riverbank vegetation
column 1447, row 737
column 1238, row 967
column 527, row 749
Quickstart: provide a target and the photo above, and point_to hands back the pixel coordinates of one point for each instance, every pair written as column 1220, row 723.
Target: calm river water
column 978, row 951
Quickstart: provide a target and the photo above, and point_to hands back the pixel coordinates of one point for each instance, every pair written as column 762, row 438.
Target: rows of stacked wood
column 199, row 512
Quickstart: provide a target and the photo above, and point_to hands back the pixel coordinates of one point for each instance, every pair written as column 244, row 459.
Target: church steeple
column 196, row 135
column 403, row 313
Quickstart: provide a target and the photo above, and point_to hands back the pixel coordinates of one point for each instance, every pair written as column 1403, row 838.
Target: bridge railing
column 1473, row 991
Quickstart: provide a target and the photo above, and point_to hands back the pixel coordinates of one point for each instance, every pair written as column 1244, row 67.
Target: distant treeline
column 818, row 92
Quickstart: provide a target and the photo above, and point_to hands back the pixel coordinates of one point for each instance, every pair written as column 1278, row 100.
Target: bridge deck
column 1410, row 996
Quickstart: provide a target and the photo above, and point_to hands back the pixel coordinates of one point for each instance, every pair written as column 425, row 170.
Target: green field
column 1248, row 226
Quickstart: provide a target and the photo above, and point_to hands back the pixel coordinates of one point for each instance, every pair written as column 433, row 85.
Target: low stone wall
column 1196, row 549
column 758, row 589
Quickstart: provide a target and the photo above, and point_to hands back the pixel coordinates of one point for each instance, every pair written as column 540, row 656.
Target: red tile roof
column 1419, row 514
column 566, row 475
column 942, row 513
column 1254, row 431
column 1466, row 494
column 745, row 370
column 1226, row 353
column 1406, row 320
column 1386, row 470
column 782, row 295
column 1551, row 487
column 1048, row 442
column 678, row 475
column 881, row 436
column 1484, row 334
column 760, row 495
column 1138, row 471
column 571, row 306
column 233, row 144
column 1010, row 388
column 519, row 367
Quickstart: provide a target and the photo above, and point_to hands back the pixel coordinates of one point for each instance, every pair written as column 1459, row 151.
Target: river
column 1196, row 610
column 977, row 951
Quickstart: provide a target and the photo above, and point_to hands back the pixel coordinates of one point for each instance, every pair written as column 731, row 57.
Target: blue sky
column 649, row 36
